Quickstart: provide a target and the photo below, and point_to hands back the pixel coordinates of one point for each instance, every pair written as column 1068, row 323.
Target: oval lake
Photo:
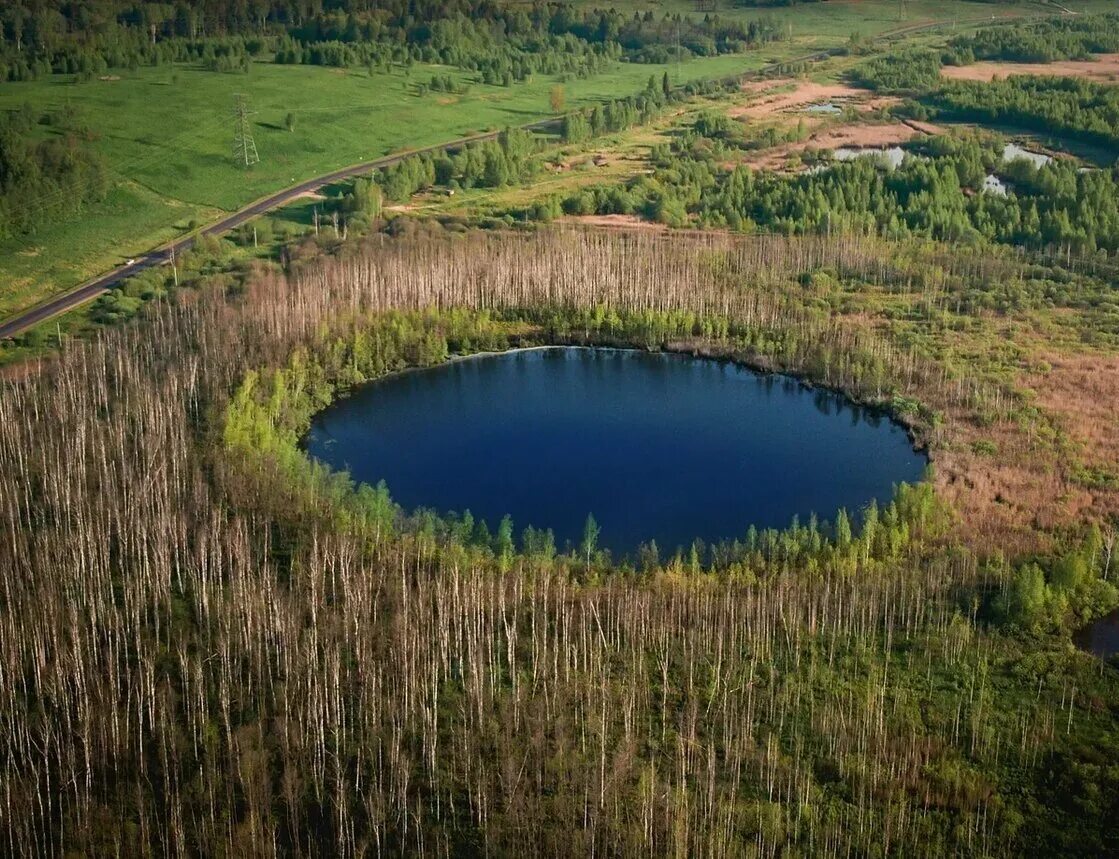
column 657, row 446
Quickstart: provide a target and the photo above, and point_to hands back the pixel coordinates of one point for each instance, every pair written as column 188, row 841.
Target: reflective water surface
column 656, row 446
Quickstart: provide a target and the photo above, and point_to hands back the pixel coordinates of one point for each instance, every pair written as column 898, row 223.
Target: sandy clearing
column 1104, row 68
column 764, row 85
column 854, row 136
column 805, row 93
column 309, row 195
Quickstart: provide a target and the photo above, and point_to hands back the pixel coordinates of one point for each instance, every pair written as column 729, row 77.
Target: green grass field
column 167, row 133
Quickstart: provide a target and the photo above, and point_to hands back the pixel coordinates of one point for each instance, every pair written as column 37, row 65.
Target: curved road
column 162, row 255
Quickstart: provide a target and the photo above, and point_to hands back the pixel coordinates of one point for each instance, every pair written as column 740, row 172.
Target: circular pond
column 656, row 446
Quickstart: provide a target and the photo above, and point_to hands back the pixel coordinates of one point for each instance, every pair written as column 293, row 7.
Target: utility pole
column 677, row 51
column 244, row 147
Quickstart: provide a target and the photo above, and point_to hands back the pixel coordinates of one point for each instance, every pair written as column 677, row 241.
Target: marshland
column 656, row 482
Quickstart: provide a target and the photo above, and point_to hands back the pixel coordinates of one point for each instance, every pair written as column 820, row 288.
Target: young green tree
column 503, row 542
column 557, row 98
column 842, row 529
column 589, row 543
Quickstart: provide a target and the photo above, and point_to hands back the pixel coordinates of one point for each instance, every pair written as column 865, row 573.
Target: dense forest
column 210, row 646
column 938, row 192
column 1069, row 108
column 500, row 41
column 1052, row 39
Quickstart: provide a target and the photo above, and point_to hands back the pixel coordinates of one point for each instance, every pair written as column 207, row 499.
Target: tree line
column 1046, row 41
column 508, row 159
column 938, row 192
column 497, row 41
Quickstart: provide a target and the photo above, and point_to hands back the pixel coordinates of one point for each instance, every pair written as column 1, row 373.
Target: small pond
column 1012, row 152
column 826, row 108
column 892, row 155
column 656, row 446
column 1100, row 638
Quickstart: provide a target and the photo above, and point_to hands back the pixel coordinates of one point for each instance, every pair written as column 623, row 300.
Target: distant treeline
column 939, row 195
column 497, row 61
column 44, row 179
column 1042, row 42
column 478, row 35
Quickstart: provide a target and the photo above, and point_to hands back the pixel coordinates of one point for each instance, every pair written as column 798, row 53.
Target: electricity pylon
column 244, row 147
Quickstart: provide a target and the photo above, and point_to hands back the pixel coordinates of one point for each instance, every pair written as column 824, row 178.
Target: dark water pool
column 1100, row 638
column 656, row 446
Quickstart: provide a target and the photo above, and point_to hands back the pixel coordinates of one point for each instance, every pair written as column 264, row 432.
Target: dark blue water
column 656, row 446
column 1101, row 637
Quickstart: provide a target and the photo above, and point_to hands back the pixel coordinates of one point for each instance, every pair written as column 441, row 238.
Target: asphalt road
column 162, row 255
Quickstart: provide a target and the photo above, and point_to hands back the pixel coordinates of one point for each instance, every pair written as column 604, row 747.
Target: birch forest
column 210, row 648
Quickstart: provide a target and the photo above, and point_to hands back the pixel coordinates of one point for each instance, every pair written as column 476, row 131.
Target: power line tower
column 244, row 147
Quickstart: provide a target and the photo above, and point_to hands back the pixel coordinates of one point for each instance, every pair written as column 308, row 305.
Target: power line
column 244, row 147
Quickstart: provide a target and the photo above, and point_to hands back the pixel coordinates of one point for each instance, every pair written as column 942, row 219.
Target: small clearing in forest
column 1103, row 69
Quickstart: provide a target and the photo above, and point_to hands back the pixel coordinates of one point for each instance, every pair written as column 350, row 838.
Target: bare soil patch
column 852, row 135
column 806, row 93
column 1104, row 69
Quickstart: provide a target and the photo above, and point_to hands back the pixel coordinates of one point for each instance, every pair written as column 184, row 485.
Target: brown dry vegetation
column 785, row 95
column 853, row 135
column 1104, row 69
column 628, row 223
column 1081, row 391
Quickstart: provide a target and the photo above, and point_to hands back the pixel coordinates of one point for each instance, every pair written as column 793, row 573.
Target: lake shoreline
column 913, row 428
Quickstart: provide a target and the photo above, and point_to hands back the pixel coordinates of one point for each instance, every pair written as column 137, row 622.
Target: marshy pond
column 657, row 446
